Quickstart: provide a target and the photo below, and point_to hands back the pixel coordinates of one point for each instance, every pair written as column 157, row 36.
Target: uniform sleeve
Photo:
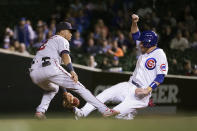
column 162, row 64
column 63, row 47
column 136, row 35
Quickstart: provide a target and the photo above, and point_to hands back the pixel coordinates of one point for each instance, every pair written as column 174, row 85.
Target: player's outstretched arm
column 134, row 26
column 67, row 61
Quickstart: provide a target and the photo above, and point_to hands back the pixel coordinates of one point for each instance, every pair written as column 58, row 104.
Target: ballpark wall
column 19, row 94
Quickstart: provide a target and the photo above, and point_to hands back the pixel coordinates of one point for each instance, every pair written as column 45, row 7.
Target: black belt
column 136, row 84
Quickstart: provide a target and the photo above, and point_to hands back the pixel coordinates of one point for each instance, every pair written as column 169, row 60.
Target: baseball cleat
column 110, row 112
column 78, row 113
column 40, row 116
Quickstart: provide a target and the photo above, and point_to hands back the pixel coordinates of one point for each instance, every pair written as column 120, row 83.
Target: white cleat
column 78, row 113
column 110, row 112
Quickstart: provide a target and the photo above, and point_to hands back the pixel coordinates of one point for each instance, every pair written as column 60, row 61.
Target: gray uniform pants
column 51, row 77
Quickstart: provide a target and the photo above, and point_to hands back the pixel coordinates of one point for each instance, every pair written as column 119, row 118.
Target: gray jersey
column 53, row 48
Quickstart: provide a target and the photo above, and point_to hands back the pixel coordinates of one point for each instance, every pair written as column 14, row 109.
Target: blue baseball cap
column 149, row 38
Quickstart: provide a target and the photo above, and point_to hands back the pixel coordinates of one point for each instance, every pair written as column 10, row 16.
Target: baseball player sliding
column 151, row 68
column 47, row 73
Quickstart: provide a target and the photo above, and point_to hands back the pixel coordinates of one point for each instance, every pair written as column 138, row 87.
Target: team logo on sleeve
column 163, row 67
column 150, row 63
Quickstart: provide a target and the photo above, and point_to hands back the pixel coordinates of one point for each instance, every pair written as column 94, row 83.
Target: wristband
column 153, row 85
column 69, row 67
column 149, row 89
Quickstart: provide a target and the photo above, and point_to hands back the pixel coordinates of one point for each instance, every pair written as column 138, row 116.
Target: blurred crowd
column 103, row 38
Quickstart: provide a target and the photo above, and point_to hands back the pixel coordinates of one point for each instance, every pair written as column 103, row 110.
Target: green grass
column 141, row 123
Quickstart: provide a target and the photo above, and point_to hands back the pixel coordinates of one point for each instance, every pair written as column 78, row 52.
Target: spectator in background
column 32, row 34
column 189, row 19
column 104, row 34
column 175, row 67
column 77, row 41
column 166, row 37
column 91, row 35
column 97, row 32
column 49, row 34
column 115, row 50
column 179, row 42
column 8, row 38
column 24, row 33
column 52, row 26
column 91, row 49
column 91, row 62
column 76, row 5
column 22, row 49
column 104, row 47
column 82, row 21
column 115, row 62
column 118, row 20
column 187, row 36
column 115, row 67
column 194, row 41
column 103, row 28
column 155, row 19
column 41, row 28
column 105, row 65
column 39, row 40
column 195, row 70
column 16, row 46
column 170, row 19
column 123, row 42
column 188, row 71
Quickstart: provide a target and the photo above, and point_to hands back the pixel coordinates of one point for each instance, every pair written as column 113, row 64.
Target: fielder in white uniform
column 150, row 70
column 46, row 71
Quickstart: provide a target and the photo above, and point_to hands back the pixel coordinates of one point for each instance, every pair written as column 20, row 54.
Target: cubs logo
column 150, row 63
column 163, row 67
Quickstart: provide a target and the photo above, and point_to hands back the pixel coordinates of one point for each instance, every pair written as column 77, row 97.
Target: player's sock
column 87, row 109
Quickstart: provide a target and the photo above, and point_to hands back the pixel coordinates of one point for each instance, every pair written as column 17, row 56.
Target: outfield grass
column 141, row 123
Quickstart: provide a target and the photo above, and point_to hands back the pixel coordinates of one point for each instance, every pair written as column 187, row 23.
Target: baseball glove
column 69, row 101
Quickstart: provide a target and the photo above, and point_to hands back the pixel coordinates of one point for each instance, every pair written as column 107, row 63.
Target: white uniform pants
column 124, row 94
column 51, row 77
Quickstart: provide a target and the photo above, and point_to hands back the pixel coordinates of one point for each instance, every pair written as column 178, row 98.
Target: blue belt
column 136, row 84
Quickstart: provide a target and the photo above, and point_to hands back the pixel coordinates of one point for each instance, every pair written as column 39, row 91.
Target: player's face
column 143, row 49
column 66, row 34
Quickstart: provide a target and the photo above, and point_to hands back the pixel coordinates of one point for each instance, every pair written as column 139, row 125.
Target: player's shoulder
column 159, row 52
column 60, row 39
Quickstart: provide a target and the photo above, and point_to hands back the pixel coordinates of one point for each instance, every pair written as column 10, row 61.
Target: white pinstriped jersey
column 148, row 66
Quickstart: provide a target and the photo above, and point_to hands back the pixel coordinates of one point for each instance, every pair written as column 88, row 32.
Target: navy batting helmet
column 148, row 38
column 64, row 26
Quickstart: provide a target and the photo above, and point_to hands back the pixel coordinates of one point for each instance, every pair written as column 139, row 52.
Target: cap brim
column 72, row 30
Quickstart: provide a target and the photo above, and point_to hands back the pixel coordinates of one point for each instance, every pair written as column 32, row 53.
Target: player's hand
column 74, row 76
column 141, row 93
column 135, row 18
